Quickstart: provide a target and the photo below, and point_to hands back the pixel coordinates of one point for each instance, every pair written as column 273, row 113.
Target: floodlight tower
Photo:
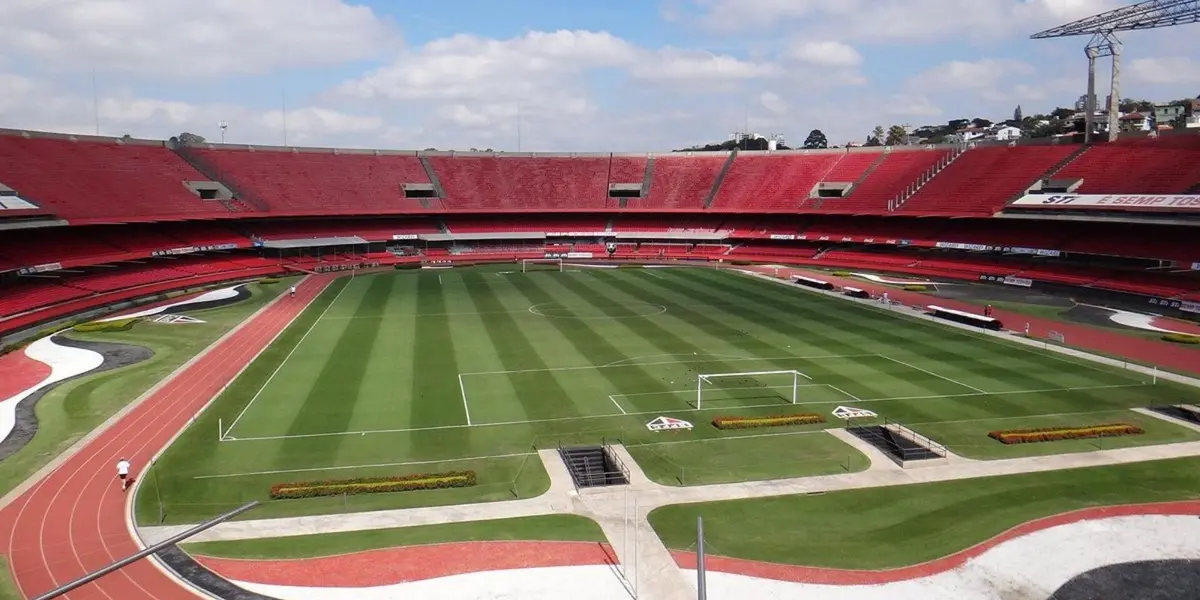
column 223, row 125
column 1149, row 14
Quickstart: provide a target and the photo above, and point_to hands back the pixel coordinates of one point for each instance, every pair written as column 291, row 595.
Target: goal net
column 755, row 386
column 541, row 264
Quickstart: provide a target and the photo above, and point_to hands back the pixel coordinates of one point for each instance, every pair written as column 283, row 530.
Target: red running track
column 18, row 373
column 73, row 521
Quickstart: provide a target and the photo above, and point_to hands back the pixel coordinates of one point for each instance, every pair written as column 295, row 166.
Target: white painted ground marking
column 698, row 359
column 632, row 360
column 439, row 279
column 692, row 391
column 845, row 393
column 943, row 377
column 342, row 468
column 463, row 388
column 617, row 404
column 286, row 359
column 1063, row 414
column 653, row 274
column 639, row 413
column 725, row 439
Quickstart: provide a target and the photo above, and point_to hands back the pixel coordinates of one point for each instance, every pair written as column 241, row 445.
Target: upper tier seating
column 981, row 181
column 681, row 181
column 319, row 182
column 1168, row 165
column 96, row 180
column 772, row 182
column 898, row 169
column 472, row 182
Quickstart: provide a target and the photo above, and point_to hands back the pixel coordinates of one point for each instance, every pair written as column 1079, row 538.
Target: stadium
column 966, row 370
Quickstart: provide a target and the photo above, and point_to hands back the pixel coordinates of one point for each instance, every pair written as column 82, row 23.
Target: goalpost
column 709, row 377
column 532, row 264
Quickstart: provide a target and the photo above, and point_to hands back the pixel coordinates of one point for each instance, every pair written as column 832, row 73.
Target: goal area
column 541, row 264
column 750, row 384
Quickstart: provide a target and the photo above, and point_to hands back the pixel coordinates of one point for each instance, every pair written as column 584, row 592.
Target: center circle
column 628, row 310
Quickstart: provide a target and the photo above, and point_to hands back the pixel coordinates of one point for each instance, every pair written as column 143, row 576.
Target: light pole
column 223, row 125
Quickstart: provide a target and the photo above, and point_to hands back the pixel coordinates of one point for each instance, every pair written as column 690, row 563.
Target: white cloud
column 877, row 21
column 983, row 74
column 773, row 102
column 675, row 66
column 1165, row 70
column 828, row 53
column 185, row 39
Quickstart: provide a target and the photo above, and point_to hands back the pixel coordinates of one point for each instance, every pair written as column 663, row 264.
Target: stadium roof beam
column 1149, row 14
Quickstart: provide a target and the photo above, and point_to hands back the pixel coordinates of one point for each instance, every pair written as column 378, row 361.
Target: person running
column 123, row 473
column 292, row 291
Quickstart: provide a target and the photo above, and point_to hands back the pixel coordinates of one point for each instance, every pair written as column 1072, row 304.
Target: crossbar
column 753, row 373
column 796, row 375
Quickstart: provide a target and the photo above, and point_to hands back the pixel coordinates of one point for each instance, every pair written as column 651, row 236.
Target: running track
column 74, row 521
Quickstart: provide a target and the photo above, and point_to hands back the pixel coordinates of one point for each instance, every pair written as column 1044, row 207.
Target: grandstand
column 157, row 216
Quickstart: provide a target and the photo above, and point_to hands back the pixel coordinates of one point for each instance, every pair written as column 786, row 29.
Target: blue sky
column 619, row 75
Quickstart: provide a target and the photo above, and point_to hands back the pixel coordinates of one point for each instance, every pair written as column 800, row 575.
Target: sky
column 540, row 75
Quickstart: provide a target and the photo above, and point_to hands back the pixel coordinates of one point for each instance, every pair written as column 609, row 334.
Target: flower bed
column 1182, row 338
column 771, row 421
column 106, row 326
column 372, row 485
column 1053, row 434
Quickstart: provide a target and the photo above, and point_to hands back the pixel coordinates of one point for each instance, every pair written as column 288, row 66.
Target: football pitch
column 472, row 368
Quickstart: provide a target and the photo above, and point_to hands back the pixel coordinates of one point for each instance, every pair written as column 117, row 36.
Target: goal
column 707, row 383
column 541, row 264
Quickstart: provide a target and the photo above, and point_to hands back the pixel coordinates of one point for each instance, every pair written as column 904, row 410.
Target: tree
column 816, row 140
column 896, row 135
column 1062, row 113
column 189, row 139
column 957, row 124
column 981, row 123
column 1018, row 115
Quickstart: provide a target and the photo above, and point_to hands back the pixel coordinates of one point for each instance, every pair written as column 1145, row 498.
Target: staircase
column 593, row 466
column 899, row 442
column 916, row 186
column 240, row 197
column 712, row 193
column 646, row 179
column 871, row 169
column 1062, row 164
column 433, row 179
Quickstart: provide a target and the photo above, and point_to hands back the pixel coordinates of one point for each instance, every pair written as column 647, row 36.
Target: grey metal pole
column 701, row 591
column 124, row 562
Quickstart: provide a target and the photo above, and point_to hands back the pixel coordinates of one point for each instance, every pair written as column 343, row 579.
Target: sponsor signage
column 849, row 412
column 1186, row 203
column 404, row 236
column 667, row 423
column 959, row 246
column 40, row 268
column 193, row 249
column 579, row 234
column 579, row 255
column 1033, row 251
column 1165, row 303
column 783, row 236
column 1018, row 281
column 1189, row 306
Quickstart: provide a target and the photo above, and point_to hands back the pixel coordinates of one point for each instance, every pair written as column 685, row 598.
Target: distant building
column 1164, row 114
column 1135, row 121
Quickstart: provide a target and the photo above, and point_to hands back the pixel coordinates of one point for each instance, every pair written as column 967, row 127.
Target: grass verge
column 897, row 526
column 8, row 587
column 572, row 528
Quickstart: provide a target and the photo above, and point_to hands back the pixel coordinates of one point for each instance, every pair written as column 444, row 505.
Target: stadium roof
column 1150, row 14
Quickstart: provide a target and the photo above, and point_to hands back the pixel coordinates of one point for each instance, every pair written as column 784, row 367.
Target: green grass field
column 888, row 527
column 471, row 368
column 551, row 528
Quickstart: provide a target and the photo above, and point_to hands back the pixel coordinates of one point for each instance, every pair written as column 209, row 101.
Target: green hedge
column 771, row 421
column 915, row 288
column 1054, row 434
column 1181, row 338
column 372, row 485
column 268, row 280
column 106, row 326
column 842, row 273
column 406, row 266
column 629, row 266
column 13, row 347
column 740, row 263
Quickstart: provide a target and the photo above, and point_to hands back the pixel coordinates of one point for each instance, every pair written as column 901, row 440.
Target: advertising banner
column 404, row 236
column 960, row 246
column 40, row 268
column 1018, row 281
column 1033, row 251
column 1189, row 306
column 783, row 236
column 1178, row 203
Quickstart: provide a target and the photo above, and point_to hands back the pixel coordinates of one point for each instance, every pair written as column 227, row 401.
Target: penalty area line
column 375, row 465
column 462, row 388
column 613, row 399
column 928, row 372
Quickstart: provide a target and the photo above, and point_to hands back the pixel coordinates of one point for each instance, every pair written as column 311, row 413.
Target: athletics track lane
column 74, row 521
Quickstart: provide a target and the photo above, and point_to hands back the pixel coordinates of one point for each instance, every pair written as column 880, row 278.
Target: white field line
column 342, row 468
column 725, row 439
column 653, row 274
column 844, row 393
column 613, row 399
column 942, row 377
column 714, row 355
column 1063, row 414
column 712, row 389
column 285, row 360
column 698, row 359
column 463, row 389
column 680, row 410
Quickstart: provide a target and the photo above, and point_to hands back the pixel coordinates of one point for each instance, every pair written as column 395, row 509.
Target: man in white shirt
column 123, row 473
column 293, row 291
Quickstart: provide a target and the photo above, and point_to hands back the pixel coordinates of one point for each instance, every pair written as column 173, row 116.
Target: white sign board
column 1111, row 201
column 666, row 423
column 849, row 412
